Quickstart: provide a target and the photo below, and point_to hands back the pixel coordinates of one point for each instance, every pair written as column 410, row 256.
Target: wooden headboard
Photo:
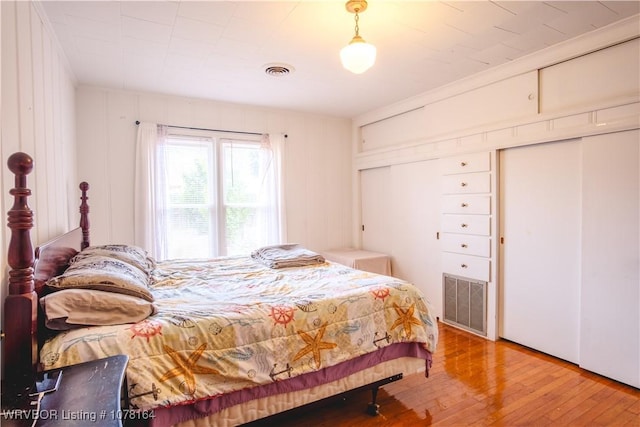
column 28, row 272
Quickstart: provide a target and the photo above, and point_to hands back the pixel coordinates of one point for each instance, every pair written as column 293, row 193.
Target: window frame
column 217, row 207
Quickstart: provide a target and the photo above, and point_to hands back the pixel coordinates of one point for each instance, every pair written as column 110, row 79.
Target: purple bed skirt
column 169, row 416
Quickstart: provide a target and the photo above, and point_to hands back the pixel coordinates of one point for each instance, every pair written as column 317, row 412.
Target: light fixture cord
column 357, row 27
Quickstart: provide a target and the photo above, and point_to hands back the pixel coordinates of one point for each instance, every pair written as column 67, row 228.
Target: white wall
column 318, row 159
column 38, row 117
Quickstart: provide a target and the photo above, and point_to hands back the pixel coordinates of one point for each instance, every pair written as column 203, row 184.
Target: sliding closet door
column 539, row 199
column 415, row 222
column 610, row 299
column 376, row 216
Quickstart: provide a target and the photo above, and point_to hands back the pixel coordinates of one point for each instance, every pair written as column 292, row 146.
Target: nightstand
column 87, row 394
column 373, row 262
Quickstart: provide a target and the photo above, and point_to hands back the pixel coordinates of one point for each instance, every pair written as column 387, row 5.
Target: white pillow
column 76, row 308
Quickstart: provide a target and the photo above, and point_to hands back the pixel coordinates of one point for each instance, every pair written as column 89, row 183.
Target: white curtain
column 150, row 182
column 149, row 210
column 274, row 189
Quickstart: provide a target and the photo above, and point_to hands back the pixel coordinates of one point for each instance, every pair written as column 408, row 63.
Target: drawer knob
column 464, row 205
column 463, row 164
column 463, row 184
column 463, row 265
column 464, row 245
column 463, row 225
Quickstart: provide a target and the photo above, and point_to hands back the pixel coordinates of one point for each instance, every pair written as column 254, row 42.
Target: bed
column 220, row 341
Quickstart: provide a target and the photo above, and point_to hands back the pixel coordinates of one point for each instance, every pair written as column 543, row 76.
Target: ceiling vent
column 278, row 70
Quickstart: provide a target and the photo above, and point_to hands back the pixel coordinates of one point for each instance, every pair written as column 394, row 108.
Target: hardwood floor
column 478, row 382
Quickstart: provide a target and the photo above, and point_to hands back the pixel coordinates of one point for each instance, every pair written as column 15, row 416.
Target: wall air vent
column 465, row 303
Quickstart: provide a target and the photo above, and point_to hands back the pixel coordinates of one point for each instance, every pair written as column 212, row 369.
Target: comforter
column 232, row 323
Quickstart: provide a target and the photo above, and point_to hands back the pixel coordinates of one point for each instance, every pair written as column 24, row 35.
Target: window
column 218, row 196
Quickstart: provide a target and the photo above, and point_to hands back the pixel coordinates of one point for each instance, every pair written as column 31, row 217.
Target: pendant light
column 358, row 56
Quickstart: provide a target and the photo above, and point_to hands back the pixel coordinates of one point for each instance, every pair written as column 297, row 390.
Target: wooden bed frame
column 28, row 273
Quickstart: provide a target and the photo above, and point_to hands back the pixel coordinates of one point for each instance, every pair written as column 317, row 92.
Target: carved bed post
column 21, row 304
column 84, row 215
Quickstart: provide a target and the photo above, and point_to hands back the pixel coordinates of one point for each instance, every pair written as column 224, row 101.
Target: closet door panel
column 415, row 213
column 610, row 297
column 540, row 255
column 376, row 217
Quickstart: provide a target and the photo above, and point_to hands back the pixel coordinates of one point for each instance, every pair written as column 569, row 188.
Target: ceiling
column 218, row 50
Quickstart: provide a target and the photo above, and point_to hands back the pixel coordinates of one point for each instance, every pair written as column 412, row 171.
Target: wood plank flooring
column 474, row 381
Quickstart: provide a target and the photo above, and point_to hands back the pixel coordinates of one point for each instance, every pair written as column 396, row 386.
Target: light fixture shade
column 358, row 56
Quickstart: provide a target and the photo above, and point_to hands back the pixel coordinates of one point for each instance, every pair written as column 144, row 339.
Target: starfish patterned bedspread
column 227, row 324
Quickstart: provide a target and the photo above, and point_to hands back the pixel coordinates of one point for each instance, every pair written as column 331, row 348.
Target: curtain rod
column 211, row 130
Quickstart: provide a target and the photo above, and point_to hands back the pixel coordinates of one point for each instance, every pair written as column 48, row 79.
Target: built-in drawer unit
column 472, row 162
column 466, row 235
column 466, row 204
column 467, row 224
column 473, row 267
column 466, row 244
column 467, row 183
